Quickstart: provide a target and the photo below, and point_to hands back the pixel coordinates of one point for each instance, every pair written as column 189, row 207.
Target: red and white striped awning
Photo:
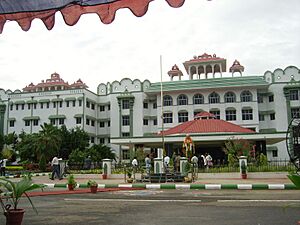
column 24, row 11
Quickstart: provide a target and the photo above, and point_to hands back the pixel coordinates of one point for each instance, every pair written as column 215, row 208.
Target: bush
column 42, row 163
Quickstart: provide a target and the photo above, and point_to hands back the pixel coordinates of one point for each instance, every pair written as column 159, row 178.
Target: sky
column 262, row 35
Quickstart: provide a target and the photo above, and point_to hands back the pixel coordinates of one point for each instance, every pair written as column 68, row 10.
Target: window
column 154, row 105
column 35, row 122
column 92, row 139
column 17, row 106
column 272, row 116
column 88, row 104
column 54, row 104
column 92, row 123
column 23, row 106
column 34, row 105
column 61, row 121
column 125, row 104
column 125, row 154
column 155, row 122
column 27, row 123
column 48, row 105
column 216, row 113
column 145, row 105
column 93, row 106
column 145, row 122
column 125, row 134
column 108, row 140
column 78, row 120
column 108, row 123
column 274, row 153
column 11, row 107
column 102, row 140
column 108, row 108
column 168, row 101
column 87, row 122
column 214, row 98
column 246, row 96
column 52, row 121
column 11, row 123
column 260, row 99
column 60, row 104
column 102, row 108
column 294, row 95
column 295, row 112
column 168, row 117
column 247, row 114
column 102, row 124
column 271, row 98
column 41, row 105
column 68, row 103
column 229, row 97
column 182, row 100
column 125, row 121
column 197, row 111
column 80, row 102
column 28, row 106
column 74, row 103
column 261, row 117
column 183, row 117
column 198, row 99
column 230, row 114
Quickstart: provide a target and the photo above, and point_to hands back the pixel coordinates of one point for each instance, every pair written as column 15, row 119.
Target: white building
column 127, row 114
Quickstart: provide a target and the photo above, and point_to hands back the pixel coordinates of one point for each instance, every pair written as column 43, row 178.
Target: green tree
column 99, row 152
column 27, row 147
column 1, row 142
column 235, row 148
column 11, row 139
column 48, row 141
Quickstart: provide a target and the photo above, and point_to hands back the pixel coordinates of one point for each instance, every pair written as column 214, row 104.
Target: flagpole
column 161, row 103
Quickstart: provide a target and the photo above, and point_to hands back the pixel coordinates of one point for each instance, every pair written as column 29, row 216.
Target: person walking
column 55, row 168
column 134, row 164
column 209, row 160
column 166, row 163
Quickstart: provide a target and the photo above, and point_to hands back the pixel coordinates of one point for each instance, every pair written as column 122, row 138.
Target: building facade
column 130, row 113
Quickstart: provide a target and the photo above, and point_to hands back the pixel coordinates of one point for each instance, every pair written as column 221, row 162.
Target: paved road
column 161, row 207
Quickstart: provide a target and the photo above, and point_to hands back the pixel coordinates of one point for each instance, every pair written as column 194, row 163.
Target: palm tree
column 48, row 141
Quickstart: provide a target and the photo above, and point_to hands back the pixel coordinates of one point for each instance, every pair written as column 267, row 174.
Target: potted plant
column 243, row 170
column 129, row 179
column 71, row 182
column 13, row 192
column 93, row 186
column 104, row 175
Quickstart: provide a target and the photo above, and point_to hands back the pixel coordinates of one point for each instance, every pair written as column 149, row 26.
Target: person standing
column 148, row 164
column 209, row 160
column 204, row 161
column 55, row 168
column 166, row 163
column 2, row 166
column 134, row 164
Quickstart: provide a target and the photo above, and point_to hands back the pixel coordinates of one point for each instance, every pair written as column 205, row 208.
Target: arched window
column 182, row 100
column 214, row 98
column 229, row 97
column 168, row 100
column 198, row 99
column 246, row 96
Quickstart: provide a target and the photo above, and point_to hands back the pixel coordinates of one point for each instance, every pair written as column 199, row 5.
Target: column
column 220, row 65
column 213, row 70
column 2, row 113
column 131, row 102
column 120, row 116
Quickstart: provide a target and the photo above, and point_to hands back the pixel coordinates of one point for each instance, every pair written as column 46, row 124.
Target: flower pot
column 14, row 217
column 94, row 189
column 244, row 176
column 104, row 176
column 130, row 180
column 71, row 187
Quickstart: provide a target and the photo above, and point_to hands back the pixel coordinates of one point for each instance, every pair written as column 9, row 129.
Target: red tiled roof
column 207, row 126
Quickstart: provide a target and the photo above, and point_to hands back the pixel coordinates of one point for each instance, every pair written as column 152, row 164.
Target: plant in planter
column 71, row 182
column 93, row 185
column 129, row 174
column 104, row 175
column 244, row 170
column 12, row 193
